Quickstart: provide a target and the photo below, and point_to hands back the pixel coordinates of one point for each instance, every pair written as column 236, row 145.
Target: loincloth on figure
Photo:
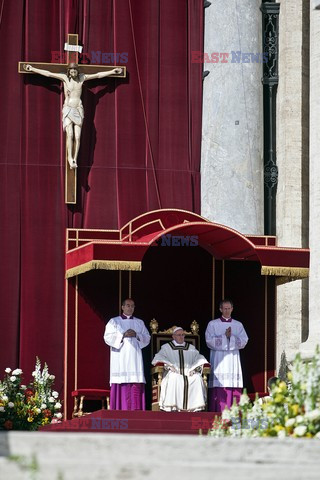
column 75, row 114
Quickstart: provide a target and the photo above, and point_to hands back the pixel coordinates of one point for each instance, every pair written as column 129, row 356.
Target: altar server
column 127, row 335
column 182, row 388
column 225, row 337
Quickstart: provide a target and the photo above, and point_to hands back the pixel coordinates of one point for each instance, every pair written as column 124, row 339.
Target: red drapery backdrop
column 140, row 147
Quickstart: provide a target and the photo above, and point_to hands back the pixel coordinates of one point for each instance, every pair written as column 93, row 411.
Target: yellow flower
column 30, row 419
column 277, row 428
column 294, row 409
column 289, row 376
column 278, row 398
column 283, row 386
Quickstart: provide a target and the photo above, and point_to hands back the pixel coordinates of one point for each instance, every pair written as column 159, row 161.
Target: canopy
column 124, row 249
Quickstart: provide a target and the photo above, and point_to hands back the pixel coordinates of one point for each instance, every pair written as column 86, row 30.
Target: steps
column 123, row 421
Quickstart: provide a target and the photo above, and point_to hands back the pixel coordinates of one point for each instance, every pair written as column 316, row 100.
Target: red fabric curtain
column 140, row 147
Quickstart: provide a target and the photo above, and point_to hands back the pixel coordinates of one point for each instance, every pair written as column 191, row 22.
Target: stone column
column 232, row 136
column 292, row 161
column 308, row 347
column 316, row 4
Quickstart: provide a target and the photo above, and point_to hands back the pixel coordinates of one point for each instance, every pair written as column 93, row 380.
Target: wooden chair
column 165, row 336
column 82, row 394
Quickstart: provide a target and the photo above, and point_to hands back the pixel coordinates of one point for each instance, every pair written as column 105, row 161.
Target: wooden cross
column 72, row 48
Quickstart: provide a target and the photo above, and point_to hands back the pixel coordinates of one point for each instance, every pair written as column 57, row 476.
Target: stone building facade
column 233, row 144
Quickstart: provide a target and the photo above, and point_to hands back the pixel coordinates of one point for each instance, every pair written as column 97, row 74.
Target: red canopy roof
column 124, row 249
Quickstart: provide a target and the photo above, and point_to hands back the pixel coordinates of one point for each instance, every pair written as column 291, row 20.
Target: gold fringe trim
column 103, row 265
column 295, row 272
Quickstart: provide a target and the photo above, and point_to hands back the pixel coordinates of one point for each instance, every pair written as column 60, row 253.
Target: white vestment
column 126, row 363
column 224, row 353
column 182, row 387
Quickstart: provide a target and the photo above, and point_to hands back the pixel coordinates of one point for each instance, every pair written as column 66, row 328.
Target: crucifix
column 72, row 77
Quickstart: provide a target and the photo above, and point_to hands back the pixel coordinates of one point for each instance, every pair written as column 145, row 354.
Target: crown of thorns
column 73, row 66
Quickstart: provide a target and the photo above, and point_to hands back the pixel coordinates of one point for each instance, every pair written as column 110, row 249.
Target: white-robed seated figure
column 127, row 335
column 182, row 387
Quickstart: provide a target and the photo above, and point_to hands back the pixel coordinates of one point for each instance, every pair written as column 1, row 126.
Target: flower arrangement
column 292, row 410
column 28, row 407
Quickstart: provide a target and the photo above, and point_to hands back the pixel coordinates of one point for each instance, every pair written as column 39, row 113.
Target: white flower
column 317, row 435
column 8, row 370
column 23, row 387
column 38, row 410
column 281, row 434
column 313, row 415
column 5, row 398
column 13, row 378
column 52, row 377
column 257, row 409
column 58, row 415
column 51, row 400
column 2, row 409
column 10, row 404
column 290, row 422
column 300, row 430
column 57, row 405
column 299, row 418
column 55, row 394
column 235, row 432
column 43, row 406
column 244, row 400
column 17, row 371
column 34, row 374
column 226, row 414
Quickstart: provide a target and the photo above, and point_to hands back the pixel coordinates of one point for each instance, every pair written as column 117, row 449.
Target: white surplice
column 224, row 353
column 126, row 363
column 182, row 387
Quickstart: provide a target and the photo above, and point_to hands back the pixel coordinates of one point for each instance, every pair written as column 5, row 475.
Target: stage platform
column 115, row 421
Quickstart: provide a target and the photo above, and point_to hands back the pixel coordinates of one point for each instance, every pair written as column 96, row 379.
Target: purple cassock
column 221, row 397
column 126, row 364
column 127, row 396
